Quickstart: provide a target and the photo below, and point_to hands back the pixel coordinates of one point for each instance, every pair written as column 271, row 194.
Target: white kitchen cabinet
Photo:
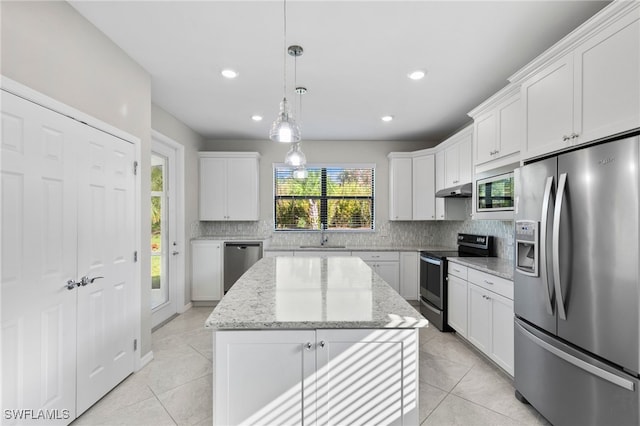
column 457, row 158
column 498, row 130
column 315, row 376
column 206, row 270
column 262, row 376
column 410, row 275
column 400, row 187
column 491, row 325
column 423, row 187
column 229, row 186
column 591, row 91
column 479, row 317
column 384, row 263
column 457, row 301
column 457, row 304
column 447, row 208
column 480, row 309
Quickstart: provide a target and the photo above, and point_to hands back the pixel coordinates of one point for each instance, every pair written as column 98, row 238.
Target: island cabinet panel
column 316, row 377
column 261, row 377
column 363, row 378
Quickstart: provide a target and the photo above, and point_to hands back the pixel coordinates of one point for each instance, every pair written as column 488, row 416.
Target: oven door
column 432, row 280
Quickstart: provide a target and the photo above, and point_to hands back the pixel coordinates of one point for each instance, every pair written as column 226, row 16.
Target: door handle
column 542, row 248
column 175, row 253
column 71, row 284
column 86, row 280
column 556, row 245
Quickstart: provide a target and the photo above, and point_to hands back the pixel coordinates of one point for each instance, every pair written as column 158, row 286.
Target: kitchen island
column 314, row 340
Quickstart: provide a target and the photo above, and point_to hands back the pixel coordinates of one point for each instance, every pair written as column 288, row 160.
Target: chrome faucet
column 323, row 238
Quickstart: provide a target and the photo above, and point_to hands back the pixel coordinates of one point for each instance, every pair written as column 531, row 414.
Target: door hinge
column 135, row 256
column 135, row 344
column 135, row 167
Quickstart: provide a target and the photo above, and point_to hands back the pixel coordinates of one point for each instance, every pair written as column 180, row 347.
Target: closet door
column 106, row 245
column 39, row 254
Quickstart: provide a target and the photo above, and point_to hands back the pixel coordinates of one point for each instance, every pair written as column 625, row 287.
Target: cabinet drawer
column 457, row 270
column 375, row 256
column 491, row 282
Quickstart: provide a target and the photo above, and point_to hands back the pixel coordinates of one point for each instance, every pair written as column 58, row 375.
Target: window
column 331, row 197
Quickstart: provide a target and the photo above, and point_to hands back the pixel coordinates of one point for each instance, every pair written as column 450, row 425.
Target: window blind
column 331, row 197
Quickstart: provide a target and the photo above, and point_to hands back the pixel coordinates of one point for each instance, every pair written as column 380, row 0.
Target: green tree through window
column 334, row 198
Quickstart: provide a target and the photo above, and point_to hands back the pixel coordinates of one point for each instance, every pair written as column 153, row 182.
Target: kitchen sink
column 327, row 247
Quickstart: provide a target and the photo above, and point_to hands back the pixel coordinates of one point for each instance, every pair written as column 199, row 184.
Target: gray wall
column 50, row 48
column 174, row 129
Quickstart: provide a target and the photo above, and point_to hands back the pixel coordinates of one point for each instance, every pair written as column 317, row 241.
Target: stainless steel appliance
column 433, row 276
column 577, row 287
column 238, row 257
column 495, row 193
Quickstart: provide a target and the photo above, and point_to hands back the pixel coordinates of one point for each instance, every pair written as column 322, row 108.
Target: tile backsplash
column 424, row 233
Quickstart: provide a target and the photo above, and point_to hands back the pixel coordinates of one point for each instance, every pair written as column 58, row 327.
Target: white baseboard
column 185, row 308
column 144, row 360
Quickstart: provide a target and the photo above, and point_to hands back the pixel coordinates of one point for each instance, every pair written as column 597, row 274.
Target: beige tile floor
column 458, row 386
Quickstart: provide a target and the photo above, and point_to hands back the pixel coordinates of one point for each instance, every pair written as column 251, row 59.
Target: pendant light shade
column 284, row 128
column 295, row 157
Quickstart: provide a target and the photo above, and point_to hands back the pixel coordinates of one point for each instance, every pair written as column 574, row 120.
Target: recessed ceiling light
column 387, row 118
column 417, row 75
column 256, row 117
column 229, row 73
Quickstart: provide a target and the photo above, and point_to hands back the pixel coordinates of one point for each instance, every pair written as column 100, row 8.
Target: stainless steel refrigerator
column 577, row 288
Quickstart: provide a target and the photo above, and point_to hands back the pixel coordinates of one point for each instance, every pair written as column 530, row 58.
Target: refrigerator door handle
column 556, row 245
column 542, row 249
column 592, row 369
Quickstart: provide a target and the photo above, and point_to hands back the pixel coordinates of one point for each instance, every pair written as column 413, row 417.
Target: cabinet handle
column 574, row 135
column 308, row 346
column 322, row 343
column 456, row 181
column 488, row 282
column 565, row 138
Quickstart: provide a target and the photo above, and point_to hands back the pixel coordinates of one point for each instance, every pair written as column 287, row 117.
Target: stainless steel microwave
column 495, row 193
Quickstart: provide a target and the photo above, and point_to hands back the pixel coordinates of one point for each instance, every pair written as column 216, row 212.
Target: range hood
column 460, row 191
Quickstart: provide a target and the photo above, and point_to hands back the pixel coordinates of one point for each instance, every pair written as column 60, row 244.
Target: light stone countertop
column 312, row 293
column 492, row 265
column 330, row 247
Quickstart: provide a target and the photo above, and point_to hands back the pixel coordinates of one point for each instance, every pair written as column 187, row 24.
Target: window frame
column 324, row 199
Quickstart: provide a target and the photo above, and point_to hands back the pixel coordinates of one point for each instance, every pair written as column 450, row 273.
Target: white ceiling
column 356, row 58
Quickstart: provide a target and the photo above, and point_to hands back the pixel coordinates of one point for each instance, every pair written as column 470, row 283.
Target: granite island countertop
column 331, row 247
column 492, row 265
column 312, row 293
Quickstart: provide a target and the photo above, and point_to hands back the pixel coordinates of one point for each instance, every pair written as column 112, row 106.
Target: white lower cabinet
column 481, row 310
column 410, row 275
column 457, row 304
column 346, row 376
column 206, row 270
column 384, row 263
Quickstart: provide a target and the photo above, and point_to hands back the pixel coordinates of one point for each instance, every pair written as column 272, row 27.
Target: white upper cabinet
column 497, row 130
column 400, row 186
column 585, row 87
column 229, row 186
column 424, row 201
column 457, row 158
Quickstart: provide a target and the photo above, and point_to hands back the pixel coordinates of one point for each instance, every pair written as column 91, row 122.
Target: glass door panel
column 159, row 246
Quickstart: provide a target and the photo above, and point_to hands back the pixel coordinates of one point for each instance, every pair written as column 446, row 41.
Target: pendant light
column 295, row 157
column 284, row 128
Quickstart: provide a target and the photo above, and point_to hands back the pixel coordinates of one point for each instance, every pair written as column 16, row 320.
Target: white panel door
column 38, row 257
column 106, row 233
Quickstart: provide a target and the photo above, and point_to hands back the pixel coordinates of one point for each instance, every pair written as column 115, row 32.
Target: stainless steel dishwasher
column 238, row 257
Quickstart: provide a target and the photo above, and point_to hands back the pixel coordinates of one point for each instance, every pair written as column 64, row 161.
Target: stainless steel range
column 433, row 275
